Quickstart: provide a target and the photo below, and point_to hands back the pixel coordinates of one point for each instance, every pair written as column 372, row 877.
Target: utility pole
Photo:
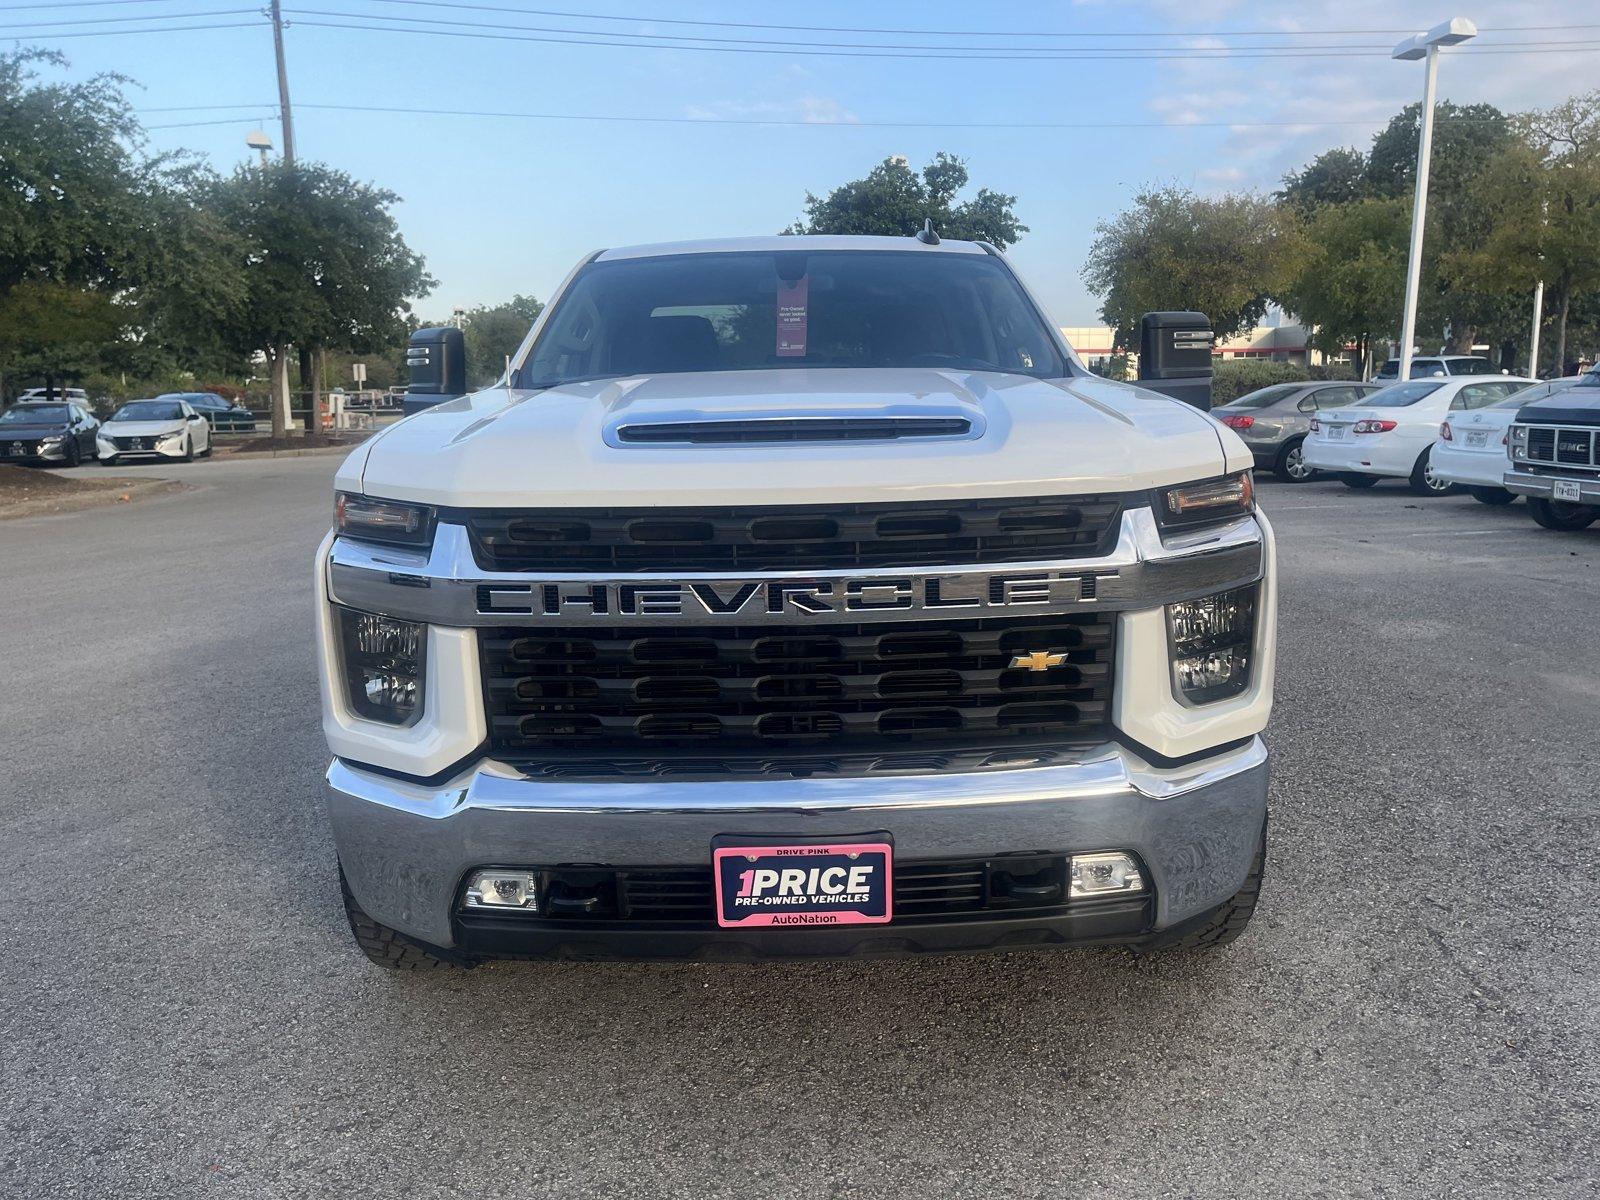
column 1533, row 342
column 283, row 85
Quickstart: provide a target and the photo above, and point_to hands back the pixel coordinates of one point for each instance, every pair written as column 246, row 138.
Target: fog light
column 503, row 889
column 1211, row 643
column 1104, row 874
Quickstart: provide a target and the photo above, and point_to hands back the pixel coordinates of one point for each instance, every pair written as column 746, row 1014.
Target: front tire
column 1425, row 481
column 1491, row 495
column 1353, row 479
column 1291, row 465
column 1560, row 516
column 74, row 455
column 384, row 946
column 188, row 449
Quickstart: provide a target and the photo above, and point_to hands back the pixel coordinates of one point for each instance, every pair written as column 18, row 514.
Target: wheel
column 1226, row 923
column 384, row 946
column 211, row 444
column 1491, row 495
column 1352, row 479
column 188, row 449
column 1291, row 465
column 1424, row 481
column 1561, row 516
column 74, row 455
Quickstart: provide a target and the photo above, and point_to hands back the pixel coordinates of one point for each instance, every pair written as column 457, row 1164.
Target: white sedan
column 154, row 429
column 1391, row 434
column 1471, row 451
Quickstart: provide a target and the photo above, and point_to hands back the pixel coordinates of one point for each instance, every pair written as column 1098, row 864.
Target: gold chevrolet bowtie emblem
column 1039, row 660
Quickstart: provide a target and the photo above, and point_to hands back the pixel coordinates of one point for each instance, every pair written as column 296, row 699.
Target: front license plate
column 1477, row 437
column 807, row 884
column 1568, row 489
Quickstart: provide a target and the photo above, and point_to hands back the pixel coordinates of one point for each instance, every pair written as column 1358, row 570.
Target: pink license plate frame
column 748, row 897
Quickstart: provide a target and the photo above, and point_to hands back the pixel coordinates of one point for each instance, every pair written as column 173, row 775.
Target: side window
column 1461, row 400
column 1478, row 395
column 1335, row 397
column 1426, row 368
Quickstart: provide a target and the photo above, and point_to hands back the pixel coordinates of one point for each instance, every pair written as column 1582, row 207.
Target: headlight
column 170, row 437
column 1207, row 502
column 384, row 662
column 1519, row 439
column 50, row 443
column 1211, row 645
column 383, row 520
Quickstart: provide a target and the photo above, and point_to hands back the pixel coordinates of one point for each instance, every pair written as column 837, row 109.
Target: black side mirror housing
column 437, row 360
column 1175, row 356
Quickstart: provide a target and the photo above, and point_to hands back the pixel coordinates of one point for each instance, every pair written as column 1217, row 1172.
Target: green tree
column 1226, row 257
column 116, row 240
column 1467, row 140
column 493, row 332
column 1336, row 176
column 1349, row 279
column 324, row 266
column 893, row 200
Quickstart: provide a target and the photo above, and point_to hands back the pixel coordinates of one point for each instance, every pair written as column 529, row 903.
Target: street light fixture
column 1424, row 45
column 258, row 140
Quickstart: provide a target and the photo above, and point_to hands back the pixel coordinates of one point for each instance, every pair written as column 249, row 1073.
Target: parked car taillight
column 1374, row 426
column 1315, row 425
column 1444, row 433
column 1236, row 422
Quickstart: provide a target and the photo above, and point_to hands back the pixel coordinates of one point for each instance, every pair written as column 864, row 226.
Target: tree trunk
column 278, row 362
column 314, row 418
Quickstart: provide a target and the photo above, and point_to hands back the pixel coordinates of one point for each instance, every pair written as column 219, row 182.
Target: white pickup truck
column 790, row 597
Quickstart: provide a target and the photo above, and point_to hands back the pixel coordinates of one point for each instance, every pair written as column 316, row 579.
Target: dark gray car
column 56, row 434
column 1273, row 421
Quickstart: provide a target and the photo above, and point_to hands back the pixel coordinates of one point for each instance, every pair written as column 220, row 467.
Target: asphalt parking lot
column 1416, row 1011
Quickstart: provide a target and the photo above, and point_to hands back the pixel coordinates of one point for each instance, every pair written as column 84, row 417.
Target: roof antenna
column 926, row 235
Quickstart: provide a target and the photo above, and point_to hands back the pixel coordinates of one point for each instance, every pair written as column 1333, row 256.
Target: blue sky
column 506, row 205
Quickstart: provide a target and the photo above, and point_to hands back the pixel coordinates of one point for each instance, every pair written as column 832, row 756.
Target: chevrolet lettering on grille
column 734, row 599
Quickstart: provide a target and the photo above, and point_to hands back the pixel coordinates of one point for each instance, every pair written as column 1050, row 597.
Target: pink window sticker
column 793, row 300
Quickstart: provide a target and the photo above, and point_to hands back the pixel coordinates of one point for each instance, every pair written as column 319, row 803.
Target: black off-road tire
column 384, row 946
column 1226, row 923
column 1491, row 495
column 1563, row 517
column 1354, row 479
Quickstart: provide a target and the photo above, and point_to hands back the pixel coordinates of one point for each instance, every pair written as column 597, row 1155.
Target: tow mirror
column 1175, row 356
column 437, row 360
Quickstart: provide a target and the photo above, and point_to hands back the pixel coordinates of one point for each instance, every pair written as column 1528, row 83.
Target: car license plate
column 1336, row 433
column 1477, row 438
column 1568, row 489
column 803, row 884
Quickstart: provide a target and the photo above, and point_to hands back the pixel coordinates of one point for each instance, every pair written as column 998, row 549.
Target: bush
column 1232, row 378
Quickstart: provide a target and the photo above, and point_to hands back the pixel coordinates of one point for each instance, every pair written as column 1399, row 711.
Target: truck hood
column 566, row 446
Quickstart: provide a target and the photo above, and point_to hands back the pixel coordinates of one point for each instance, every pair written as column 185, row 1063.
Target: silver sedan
column 1273, row 421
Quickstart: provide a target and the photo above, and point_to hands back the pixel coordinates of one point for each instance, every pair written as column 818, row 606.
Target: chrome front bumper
column 405, row 847
column 1526, row 483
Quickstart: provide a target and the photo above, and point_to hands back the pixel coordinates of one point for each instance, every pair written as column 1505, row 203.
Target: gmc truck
column 796, row 597
column 1555, row 456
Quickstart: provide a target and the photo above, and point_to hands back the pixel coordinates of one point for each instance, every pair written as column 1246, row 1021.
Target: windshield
column 1265, row 396
column 35, row 414
column 1401, row 395
column 760, row 311
column 1472, row 366
column 149, row 410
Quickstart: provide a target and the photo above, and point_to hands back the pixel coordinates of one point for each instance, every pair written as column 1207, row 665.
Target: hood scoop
column 890, row 423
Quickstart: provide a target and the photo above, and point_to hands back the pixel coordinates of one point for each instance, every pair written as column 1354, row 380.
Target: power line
column 505, row 33
column 899, row 32
column 39, row 37
column 786, row 122
column 183, row 16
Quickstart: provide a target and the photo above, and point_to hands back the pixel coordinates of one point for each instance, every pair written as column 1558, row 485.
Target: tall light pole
column 1424, row 45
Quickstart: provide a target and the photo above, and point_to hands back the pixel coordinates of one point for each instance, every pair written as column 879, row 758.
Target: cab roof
column 791, row 242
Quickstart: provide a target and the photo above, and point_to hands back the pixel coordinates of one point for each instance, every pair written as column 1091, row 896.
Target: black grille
column 134, row 443
column 1562, row 446
column 9, row 446
column 921, row 533
column 852, row 688
column 930, row 889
